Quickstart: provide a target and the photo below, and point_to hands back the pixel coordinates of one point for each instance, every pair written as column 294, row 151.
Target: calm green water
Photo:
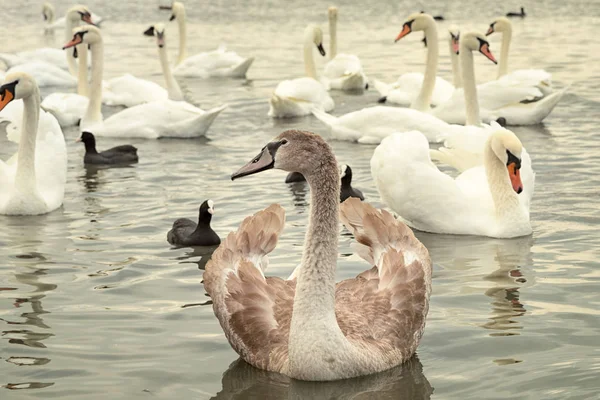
column 95, row 304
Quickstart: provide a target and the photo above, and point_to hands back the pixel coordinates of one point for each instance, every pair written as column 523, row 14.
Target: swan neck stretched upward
column 503, row 63
column 505, row 199
column 25, row 175
column 173, row 88
column 470, row 88
column 314, row 302
column 332, row 35
column 181, row 24
column 309, row 61
column 71, row 61
column 423, row 100
column 83, row 86
column 93, row 113
column 456, row 71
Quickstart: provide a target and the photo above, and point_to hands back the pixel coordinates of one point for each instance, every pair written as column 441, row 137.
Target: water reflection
column 204, row 252
column 242, row 381
column 299, row 191
column 469, row 260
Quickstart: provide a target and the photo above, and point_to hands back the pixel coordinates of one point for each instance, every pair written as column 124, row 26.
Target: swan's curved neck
column 25, row 175
column 72, row 61
column 332, row 36
column 470, row 87
column 94, row 110
column 503, row 63
column 456, row 71
column 309, row 61
column 181, row 24
column 172, row 86
column 423, row 100
column 505, row 199
column 314, row 302
column 83, row 86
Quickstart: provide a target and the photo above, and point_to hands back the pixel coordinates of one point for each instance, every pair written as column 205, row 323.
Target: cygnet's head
column 157, row 30
column 416, row 22
column 315, row 34
column 292, row 151
column 501, row 24
column 18, row 85
column 454, row 38
column 474, row 41
column 88, row 34
column 508, row 148
column 177, row 10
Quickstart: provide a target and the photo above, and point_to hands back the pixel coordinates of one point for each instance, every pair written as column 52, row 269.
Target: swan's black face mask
column 263, row 161
column 7, row 93
column 172, row 17
column 87, row 18
column 321, row 49
column 149, row 31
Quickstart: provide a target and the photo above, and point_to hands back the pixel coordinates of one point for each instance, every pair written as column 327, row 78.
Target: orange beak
column 405, row 31
column 74, row 42
column 7, row 97
column 455, row 45
column 515, row 177
column 87, row 18
column 485, row 50
column 489, row 31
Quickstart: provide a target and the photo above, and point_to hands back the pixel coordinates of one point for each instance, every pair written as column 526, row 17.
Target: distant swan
column 308, row 327
column 153, row 120
column 208, row 64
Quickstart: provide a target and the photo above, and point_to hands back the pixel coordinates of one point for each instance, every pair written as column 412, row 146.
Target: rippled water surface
column 95, row 304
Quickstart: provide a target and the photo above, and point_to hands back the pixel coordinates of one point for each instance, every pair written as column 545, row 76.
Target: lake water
column 95, row 304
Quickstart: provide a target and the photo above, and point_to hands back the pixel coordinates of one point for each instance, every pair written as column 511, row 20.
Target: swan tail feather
column 206, row 120
column 240, row 70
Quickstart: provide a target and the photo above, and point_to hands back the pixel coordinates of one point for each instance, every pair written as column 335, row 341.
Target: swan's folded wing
column 384, row 307
column 254, row 311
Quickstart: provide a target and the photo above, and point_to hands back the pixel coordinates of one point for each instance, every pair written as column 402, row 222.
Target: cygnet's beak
column 263, row 161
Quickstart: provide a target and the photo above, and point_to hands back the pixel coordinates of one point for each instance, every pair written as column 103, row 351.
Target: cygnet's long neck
column 503, row 63
column 181, row 24
column 332, row 36
column 309, row 61
column 72, row 61
column 25, row 175
column 423, row 100
column 456, row 78
column 314, row 302
column 83, row 86
column 94, row 110
column 505, row 199
column 470, row 87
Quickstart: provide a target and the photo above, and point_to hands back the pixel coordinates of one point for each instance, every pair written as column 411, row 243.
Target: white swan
column 32, row 181
column 298, row 97
column 537, row 77
column 163, row 118
column 309, row 327
column 217, row 63
column 343, row 71
column 129, row 91
column 486, row 200
column 55, row 57
column 510, row 99
column 408, row 89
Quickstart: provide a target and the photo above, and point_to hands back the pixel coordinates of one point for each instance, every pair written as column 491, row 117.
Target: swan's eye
column 284, row 141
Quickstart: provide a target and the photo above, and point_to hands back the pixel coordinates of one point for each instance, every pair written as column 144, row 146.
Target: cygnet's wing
column 255, row 312
column 384, row 308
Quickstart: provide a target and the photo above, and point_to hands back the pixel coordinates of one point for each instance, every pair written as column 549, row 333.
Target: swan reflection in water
column 467, row 260
column 406, row 381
